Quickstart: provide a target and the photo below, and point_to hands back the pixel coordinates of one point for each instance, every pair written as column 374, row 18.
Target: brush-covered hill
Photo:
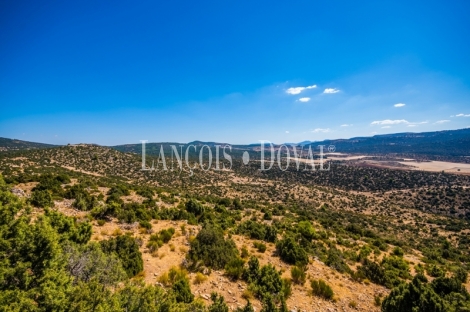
column 448, row 143
column 18, row 145
column 353, row 239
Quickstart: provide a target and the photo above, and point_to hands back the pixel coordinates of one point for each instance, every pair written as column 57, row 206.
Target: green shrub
column 251, row 273
column 461, row 274
column 286, row 288
column 260, row 246
column 435, row 271
column 372, row 271
column 234, row 268
column 119, row 190
column 269, row 282
column 194, row 207
column 268, row 215
column 416, row 296
column 69, row 228
column 153, row 245
column 127, row 249
column 166, row 234
column 182, row 291
column 321, row 289
column 377, row 300
column 145, row 224
column 336, row 261
column 257, row 230
column 397, row 251
column 218, row 303
column 244, row 252
column 306, row 229
column 41, row 198
column 291, row 252
column 298, row 274
column 212, row 248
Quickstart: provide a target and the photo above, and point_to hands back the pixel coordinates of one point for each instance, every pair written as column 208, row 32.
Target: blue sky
column 115, row 72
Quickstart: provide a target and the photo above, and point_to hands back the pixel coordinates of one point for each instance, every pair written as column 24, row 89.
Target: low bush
column 321, row 289
column 260, row 246
column 212, row 248
column 291, row 252
column 298, row 274
column 127, row 250
column 234, row 268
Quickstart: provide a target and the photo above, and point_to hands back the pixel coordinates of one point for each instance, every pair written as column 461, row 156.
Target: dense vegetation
column 296, row 217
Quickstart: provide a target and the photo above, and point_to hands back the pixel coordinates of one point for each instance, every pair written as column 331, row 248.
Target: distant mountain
column 447, row 143
column 18, row 145
column 441, row 143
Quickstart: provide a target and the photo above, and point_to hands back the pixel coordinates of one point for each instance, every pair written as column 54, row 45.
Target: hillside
column 362, row 230
column 448, row 145
column 18, row 145
column 435, row 145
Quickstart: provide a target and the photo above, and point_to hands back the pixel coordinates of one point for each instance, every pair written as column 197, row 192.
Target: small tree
column 41, row 198
column 182, row 291
column 218, row 303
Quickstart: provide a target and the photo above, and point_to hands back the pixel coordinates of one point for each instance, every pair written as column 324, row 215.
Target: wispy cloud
column 390, row 122
column 318, row 130
column 399, row 105
column 386, row 127
column 330, row 90
column 461, row 115
column 397, row 122
column 304, row 99
column 287, row 131
column 346, row 125
column 441, row 122
column 297, row 90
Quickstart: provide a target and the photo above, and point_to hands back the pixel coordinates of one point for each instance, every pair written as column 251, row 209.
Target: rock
column 18, row 192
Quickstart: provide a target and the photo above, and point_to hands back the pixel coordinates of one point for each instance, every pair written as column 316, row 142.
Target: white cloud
column 399, row 105
column 441, row 122
column 386, row 127
column 346, row 125
column 297, row 90
column 330, row 90
column 304, row 99
column 317, row 130
column 461, row 115
column 389, row 122
column 397, row 122
column 287, row 131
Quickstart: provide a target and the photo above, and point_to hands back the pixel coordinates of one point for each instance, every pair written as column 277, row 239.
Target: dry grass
column 199, row 278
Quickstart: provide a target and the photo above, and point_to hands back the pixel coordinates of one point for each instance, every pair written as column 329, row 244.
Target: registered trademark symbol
column 331, row 148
